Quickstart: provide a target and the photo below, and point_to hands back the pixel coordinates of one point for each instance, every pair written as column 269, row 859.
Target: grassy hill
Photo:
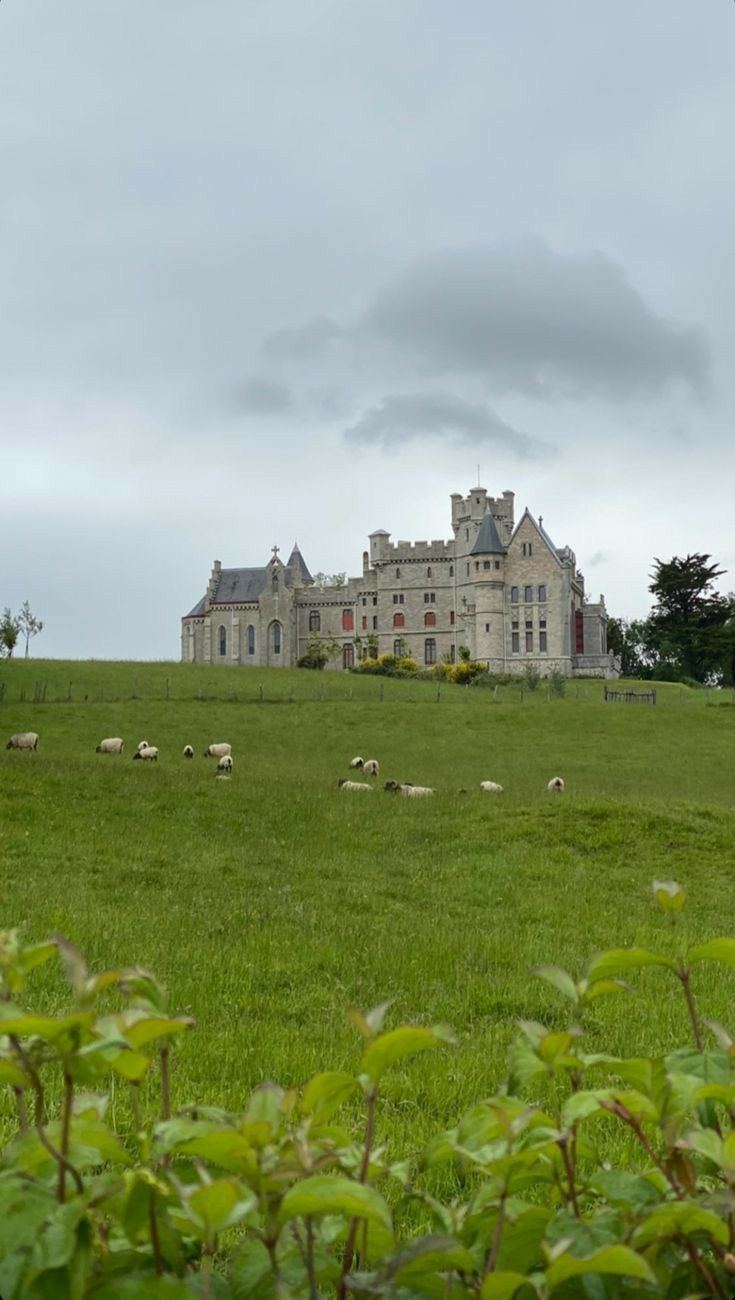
column 271, row 903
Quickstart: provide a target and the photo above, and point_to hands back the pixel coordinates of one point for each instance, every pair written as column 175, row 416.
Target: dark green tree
column 684, row 629
column 9, row 633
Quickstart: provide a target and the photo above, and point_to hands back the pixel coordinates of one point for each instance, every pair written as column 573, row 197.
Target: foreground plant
column 287, row 1200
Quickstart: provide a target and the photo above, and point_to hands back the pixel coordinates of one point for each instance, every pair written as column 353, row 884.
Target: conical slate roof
column 488, row 541
column 296, row 560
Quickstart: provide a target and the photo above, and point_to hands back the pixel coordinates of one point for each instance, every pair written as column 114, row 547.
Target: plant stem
column 43, row 1137
column 206, row 1273
column 20, row 1102
column 492, row 1255
column 135, row 1106
column 622, row 1113
column 65, row 1129
column 569, row 1167
column 165, row 1084
column 713, row 1284
column 684, row 976
column 364, row 1167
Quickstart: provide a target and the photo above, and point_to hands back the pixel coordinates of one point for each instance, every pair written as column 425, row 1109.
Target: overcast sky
column 291, row 269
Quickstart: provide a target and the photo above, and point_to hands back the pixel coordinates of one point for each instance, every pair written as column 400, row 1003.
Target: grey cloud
column 258, row 396
column 599, row 557
column 402, row 417
column 538, row 322
column 304, row 342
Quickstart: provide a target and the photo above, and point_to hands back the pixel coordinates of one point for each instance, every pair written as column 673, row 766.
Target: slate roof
column 297, row 558
column 198, row 609
column 240, row 584
column 488, row 541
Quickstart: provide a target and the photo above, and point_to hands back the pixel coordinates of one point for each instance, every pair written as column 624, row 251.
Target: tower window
column 497, row 564
column 451, row 617
column 398, row 573
column 487, row 627
column 451, row 570
column 428, row 572
column 430, row 650
column 542, row 593
column 315, row 620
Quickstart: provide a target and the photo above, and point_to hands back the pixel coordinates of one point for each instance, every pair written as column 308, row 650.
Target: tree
column 684, row 627
column 9, row 632
column 28, row 624
column 629, row 640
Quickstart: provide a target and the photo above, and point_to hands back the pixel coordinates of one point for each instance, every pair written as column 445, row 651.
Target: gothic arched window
column 251, row 639
column 222, row 640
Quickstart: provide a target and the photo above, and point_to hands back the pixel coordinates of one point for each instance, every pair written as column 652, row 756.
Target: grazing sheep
column 371, row 767
column 218, row 751
column 357, row 762
column 143, row 744
column 222, row 776
column 148, row 753
column 491, row 787
column 112, row 745
column 224, row 764
column 353, row 785
column 405, row 788
column 556, row 785
column 188, row 751
column 23, row 740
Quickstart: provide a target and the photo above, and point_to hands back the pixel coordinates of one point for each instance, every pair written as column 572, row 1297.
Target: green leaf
column 334, row 1194
column 400, row 1045
column 714, row 950
column 325, row 1093
column 625, row 1190
column 214, row 1207
column 618, row 1260
column 149, row 1028
column 681, row 1219
column 607, row 965
column 432, row 1254
column 48, row 1027
column 502, row 1286
column 561, row 980
column 35, row 955
column 670, row 896
column 603, row 988
column 225, row 1147
column 12, row 1074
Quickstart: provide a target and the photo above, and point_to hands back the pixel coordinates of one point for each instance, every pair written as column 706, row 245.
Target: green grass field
column 271, row 903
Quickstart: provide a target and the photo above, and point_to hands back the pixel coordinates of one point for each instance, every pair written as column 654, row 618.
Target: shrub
column 531, row 676
column 557, row 684
column 289, row 1200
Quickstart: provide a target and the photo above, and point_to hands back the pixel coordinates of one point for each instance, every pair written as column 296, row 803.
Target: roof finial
column 275, row 550
column 540, row 521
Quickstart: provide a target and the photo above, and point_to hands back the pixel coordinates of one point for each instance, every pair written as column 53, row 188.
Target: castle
column 502, row 589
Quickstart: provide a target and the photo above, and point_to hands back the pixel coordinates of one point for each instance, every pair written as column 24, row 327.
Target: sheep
column 224, row 764
column 188, row 751
column 112, row 745
column 371, row 767
column 556, row 785
column 357, row 762
column 148, row 753
column 143, row 744
column 218, row 751
column 405, row 788
column 342, row 784
column 491, row 787
column 23, row 740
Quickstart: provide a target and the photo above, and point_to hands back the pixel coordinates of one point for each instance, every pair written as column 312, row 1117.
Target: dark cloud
column 402, row 417
column 520, row 318
column 259, row 396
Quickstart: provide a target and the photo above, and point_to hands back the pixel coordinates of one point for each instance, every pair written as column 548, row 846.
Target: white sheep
column 410, row 791
column 111, row 745
column 143, row 744
column 188, row 751
column 491, row 787
column 224, row 764
column 23, row 740
column 353, row 785
column 556, row 785
column 357, row 762
column 148, row 753
column 371, row 767
column 218, row 751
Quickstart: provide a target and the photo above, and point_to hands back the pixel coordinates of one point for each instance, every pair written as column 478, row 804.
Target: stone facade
column 499, row 588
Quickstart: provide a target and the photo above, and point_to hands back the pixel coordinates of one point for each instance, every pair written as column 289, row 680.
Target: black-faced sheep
column 111, row 745
column 357, row 762
column 410, row 791
column 188, row 752
column 371, row 767
column 23, row 740
column 491, row 787
column 149, row 754
column 224, row 764
column 556, row 785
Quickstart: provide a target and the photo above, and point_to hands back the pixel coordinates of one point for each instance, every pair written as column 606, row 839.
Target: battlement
column 437, row 549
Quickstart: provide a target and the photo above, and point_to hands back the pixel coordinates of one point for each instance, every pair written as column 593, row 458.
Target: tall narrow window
column 428, row 571
column 274, row 581
column 398, row 573
column 528, row 594
column 452, row 653
column 451, row 570
column 276, row 638
column 514, row 595
column 251, row 639
column 430, row 619
column 348, row 621
column 223, row 640
column 348, row 655
column 451, row 617
column 399, row 620
column 398, row 647
column 542, row 594
column 529, row 642
column 430, row 650
column 542, row 642
column 579, row 632
column 363, row 623
column 315, row 620
column 486, row 564
column 375, row 622
column 515, row 642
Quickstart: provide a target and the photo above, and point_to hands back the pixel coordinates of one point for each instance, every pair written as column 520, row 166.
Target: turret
column 379, row 545
column 487, row 572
